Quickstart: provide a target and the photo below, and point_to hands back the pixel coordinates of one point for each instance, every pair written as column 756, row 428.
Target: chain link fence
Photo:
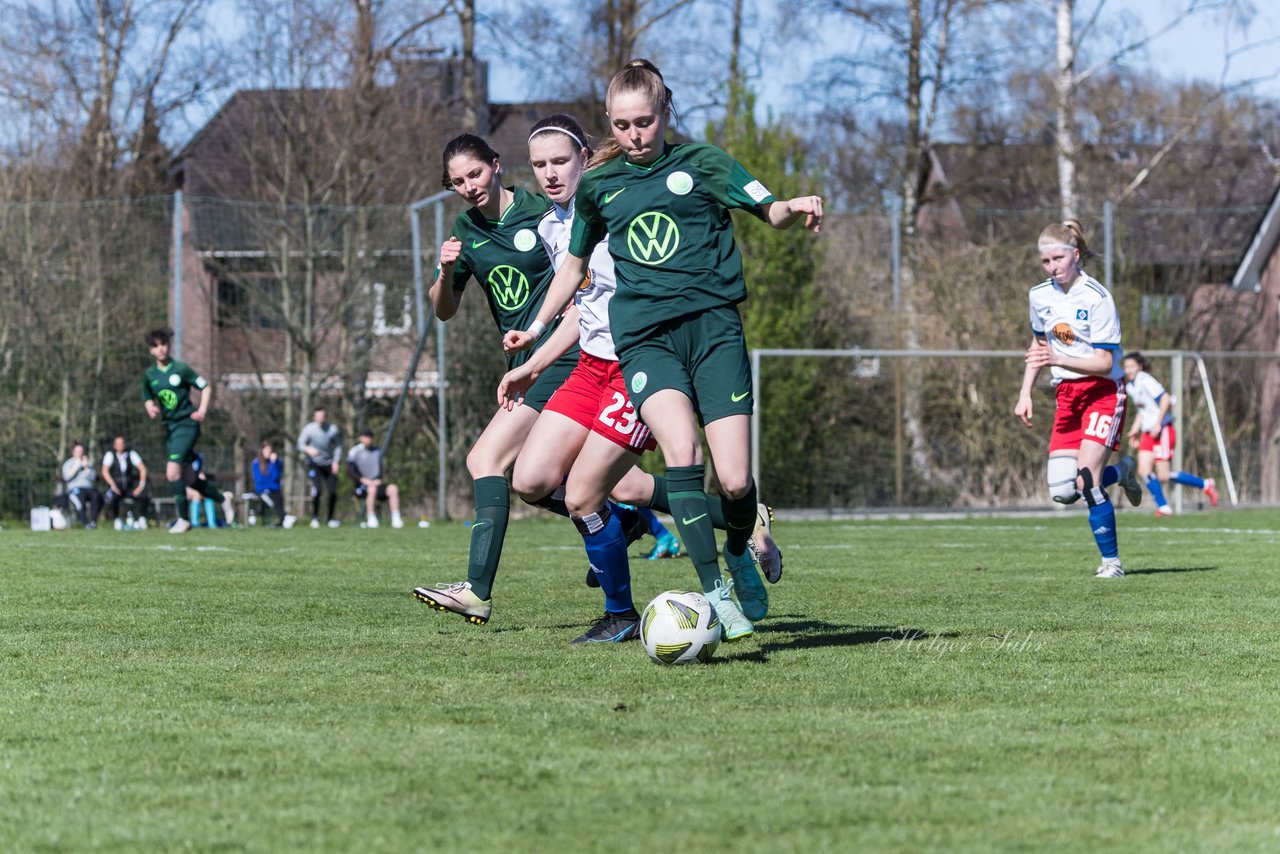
column 286, row 307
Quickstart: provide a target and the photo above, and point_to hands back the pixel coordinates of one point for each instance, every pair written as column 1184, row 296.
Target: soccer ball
column 677, row 628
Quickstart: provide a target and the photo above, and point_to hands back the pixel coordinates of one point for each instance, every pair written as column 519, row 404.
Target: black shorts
column 362, row 491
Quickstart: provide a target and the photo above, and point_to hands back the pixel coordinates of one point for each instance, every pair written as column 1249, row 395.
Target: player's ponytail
column 642, row 76
column 470, row 144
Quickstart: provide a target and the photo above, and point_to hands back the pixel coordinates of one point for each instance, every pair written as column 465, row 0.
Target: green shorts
column 550, row 380
column 703, row 355
column 180, row 441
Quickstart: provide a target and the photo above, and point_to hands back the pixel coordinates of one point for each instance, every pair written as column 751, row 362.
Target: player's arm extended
column 518, row 380
column 784, row 214
column 559, row 294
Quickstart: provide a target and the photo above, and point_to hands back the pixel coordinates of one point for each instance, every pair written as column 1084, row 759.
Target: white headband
column 1065, row 246
column 573, row 136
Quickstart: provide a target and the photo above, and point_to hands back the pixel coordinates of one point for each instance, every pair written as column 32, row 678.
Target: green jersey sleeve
column 731, row 184
column 146, row 388
column 588, row 226
column 190, row 377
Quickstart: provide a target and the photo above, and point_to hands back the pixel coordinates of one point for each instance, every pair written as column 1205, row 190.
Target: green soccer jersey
column 670, row 233
column 509, row 259
column 170, row 387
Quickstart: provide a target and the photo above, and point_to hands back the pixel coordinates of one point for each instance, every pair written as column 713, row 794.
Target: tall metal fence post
column 419, row 292
column 1108, row 243
column 1178, row 385
column 441, row 407
column 899, row 444
column 755, row 420
column 177, row 274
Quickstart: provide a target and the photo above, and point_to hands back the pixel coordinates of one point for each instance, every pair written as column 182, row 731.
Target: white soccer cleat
column 371, row 522
column 119, row 525
column 180, row 527
column 397, row 521
column 1166, row 510
column 1109, row 569
column 765, row 550
column 334, row 523
column 289, row 521
column 315, row 523
column 456, row 598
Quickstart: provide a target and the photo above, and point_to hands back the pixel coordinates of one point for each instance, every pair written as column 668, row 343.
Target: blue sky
column 1196, row 49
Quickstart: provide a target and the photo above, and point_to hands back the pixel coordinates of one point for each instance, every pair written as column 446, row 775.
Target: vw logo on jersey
column 638, row 382
column 168, row 399
column 680, row 183
column 525, row 240
column 1064, row 333
column 652, row 237
column 1082, row 314
column 509, row 287
column 174, row 379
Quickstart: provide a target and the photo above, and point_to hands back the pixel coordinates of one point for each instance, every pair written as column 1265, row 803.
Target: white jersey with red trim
column 1076, row 322
column 1147, row 392
column 592, row 298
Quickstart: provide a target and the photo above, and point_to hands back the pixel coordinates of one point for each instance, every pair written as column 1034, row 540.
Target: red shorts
column 1090, row 408
column 1161, row 448
column 595, row 396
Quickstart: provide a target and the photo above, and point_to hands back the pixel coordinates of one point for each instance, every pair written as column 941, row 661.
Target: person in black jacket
column 126, row 477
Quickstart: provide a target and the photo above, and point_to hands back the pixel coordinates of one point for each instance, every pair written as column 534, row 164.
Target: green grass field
column 956, row 685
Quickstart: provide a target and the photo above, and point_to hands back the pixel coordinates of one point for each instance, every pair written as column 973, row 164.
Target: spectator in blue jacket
column 266, row 484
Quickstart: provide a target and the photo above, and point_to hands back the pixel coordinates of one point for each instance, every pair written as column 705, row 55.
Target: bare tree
column 925, row 52
column 1069, row 78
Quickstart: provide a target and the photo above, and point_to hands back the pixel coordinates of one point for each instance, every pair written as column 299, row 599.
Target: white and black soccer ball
column 678, row 627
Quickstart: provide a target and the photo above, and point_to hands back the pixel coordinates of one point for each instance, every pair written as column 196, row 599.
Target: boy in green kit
column 166, row 394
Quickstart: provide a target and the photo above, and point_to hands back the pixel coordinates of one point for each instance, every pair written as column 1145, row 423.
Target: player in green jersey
column 675, row 324
column 495, row 242
column 166, row 394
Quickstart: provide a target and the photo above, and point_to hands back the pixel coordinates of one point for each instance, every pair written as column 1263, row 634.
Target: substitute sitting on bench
column 364, row 464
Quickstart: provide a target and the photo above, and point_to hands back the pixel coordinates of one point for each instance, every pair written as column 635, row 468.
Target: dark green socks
column 493, row 508
column 692, row 514
column 662, row 503
column 178, row 490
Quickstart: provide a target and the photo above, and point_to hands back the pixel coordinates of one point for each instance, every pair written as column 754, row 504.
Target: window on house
column 388, row 317
column 249, row 301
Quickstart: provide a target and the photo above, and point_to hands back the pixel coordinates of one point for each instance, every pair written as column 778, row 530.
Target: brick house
column 267, row 156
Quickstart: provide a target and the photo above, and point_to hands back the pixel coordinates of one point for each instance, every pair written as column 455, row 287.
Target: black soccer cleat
column 612, row 628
